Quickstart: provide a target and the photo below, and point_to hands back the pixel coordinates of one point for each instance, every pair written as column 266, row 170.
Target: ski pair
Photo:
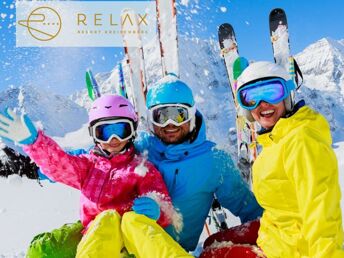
column 246, row 131
column 134, row 56
column 135, row 87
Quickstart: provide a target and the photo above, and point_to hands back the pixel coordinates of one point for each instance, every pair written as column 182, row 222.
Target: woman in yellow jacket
column 295, row 177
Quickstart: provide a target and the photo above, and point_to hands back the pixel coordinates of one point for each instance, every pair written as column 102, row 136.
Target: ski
column 121, row 82
column 247, row 148
column 92, row 85
column 245, row 130
column 168, row 38
column 279, row 36
column 229, row 51
column 133, row 50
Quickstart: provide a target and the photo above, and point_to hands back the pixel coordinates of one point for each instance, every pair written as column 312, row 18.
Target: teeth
column 171, row 130
column 267, row 112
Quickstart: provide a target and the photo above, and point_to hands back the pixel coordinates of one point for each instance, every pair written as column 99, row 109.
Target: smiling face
column 171, row 133
column 267, row 114
column 115, row 146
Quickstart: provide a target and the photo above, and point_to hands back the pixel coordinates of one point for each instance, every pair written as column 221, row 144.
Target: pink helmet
column 111, row 106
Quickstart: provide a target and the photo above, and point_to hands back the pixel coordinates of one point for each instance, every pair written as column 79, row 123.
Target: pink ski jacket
column 104, row 183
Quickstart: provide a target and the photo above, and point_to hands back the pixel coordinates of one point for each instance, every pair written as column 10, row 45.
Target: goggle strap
column 290, row 85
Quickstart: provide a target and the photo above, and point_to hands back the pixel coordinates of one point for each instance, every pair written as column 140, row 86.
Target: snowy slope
column 27, row 209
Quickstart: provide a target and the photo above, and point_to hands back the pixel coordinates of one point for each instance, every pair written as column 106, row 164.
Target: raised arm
column 57, row 165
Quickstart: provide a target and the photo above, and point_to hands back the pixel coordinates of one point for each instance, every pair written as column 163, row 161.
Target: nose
column 170, row 126
column 114, row 140
column 264, row 104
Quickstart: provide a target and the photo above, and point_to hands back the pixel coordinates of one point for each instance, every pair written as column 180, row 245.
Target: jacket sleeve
column 233, row 193
column 312, row 165
column 56, row 164
column 152, row 185
column 76, row 152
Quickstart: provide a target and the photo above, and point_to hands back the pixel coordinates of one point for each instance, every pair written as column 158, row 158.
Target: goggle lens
column 271, row 91
column 177, row 114
column 104, row 132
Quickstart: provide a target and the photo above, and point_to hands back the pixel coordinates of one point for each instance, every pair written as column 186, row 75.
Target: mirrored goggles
column 271, row 91
column 105, row 131
column 176, row 114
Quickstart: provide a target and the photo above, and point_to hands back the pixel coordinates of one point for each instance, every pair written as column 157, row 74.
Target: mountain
column 322, row 64
column 56, row 114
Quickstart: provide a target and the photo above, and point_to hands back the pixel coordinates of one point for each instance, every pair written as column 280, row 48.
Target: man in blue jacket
column 192, row 168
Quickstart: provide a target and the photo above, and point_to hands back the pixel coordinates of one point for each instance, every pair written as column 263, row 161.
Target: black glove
column 12, row 162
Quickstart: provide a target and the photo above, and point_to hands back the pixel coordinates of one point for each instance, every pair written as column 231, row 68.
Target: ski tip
column 226, row 27
column 277, row 11
column 225, row 31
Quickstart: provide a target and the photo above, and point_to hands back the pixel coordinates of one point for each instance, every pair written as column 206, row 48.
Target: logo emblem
column 43, row 23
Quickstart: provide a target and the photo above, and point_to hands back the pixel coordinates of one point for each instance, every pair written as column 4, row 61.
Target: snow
column 223, row 9
column 28, row 209
column 141, row 169
column 184, row 2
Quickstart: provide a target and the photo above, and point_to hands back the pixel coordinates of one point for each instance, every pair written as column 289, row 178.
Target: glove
column 17, row 128
column 147, row 206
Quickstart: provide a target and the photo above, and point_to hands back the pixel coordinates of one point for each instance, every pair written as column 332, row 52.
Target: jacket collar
column 122, row 158
column 304, row 116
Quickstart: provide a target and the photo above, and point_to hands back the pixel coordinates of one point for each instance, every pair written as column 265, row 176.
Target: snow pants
column 239, row 241
column 108, row 234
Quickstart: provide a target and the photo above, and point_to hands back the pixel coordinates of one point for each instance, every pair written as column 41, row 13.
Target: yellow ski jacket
column 295, row 179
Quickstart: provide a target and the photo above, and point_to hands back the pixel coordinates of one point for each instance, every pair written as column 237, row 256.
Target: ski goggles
column 105, row 131
column 271, row 91
column 176, row 114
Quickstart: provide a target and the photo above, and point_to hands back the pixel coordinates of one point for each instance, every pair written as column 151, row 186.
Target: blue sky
column 62, row 69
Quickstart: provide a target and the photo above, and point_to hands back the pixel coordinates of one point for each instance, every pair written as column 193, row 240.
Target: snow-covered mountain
column 322, row 64
column 56, row 114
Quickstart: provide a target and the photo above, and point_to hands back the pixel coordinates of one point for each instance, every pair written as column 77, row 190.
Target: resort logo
column 84, row 24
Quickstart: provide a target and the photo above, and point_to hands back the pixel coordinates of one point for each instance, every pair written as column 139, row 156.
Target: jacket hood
column 304, row 117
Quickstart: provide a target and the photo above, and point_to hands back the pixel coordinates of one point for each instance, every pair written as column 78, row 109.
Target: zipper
column 175, row 179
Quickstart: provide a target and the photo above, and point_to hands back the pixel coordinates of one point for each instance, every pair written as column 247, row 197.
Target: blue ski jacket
column 194, row 171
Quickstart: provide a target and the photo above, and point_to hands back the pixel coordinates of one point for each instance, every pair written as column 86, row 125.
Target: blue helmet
column 169, row 90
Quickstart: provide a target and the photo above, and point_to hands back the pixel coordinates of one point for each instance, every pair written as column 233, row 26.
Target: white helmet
column 263, row 70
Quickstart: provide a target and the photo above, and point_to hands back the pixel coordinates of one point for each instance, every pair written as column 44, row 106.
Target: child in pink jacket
column 111, row 177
